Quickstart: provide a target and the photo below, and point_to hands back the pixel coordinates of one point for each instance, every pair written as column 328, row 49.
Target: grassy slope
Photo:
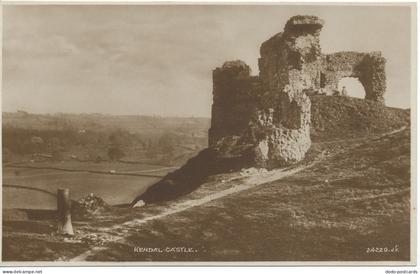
column 352, row 201
column 335, row 117
column 357, row 197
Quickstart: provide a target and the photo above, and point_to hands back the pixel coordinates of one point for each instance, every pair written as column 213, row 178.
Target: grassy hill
column 335, row 117
column 349, row 200
column 347, row 207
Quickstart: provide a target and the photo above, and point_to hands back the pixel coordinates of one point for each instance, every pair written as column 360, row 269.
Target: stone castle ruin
column 265, row 120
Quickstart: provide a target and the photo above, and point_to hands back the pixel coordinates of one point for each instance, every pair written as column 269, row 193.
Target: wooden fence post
column 64, row 211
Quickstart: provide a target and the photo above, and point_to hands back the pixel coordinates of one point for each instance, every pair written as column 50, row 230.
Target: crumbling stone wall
column 289, row 65
column 369, row 68
column 372, row 76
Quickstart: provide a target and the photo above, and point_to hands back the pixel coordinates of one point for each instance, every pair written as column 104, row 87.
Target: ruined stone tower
column 235, row 96
column 265, row 120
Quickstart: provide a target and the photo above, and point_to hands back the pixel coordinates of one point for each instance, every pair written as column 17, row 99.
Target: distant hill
column 97, row 122
column 97, row 137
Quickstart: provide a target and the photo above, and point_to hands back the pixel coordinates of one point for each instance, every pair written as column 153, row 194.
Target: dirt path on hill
column 249, row 181
column 153, row 170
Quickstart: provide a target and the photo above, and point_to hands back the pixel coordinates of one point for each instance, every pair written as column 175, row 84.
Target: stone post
column 64, row 212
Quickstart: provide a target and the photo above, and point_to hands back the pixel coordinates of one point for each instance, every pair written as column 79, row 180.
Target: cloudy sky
column 157, row 60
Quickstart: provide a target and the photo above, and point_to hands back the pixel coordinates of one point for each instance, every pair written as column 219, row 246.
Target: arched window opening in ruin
column 353, row 87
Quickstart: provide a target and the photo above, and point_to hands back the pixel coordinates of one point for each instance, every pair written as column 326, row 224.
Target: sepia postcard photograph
column 200, row 133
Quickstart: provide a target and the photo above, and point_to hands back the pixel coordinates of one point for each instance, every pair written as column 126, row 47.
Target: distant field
column 46, row 152
column 114, row 189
